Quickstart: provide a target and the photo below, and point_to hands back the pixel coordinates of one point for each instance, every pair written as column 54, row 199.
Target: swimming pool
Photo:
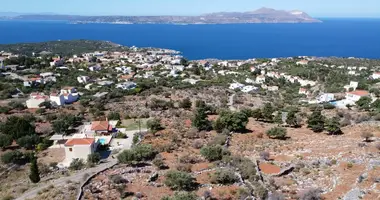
column 102, row 141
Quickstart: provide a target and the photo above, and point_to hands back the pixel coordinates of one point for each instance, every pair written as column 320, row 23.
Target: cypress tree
column 34, row 175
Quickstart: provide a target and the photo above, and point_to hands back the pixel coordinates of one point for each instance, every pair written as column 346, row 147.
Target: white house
column 57, row 62
column 33, row 81
column 351, row 72
column 260, row 79
column 95, row 68
column 234, row 86
column 36, row 99
column 126, row 85
column 79, row 148
column 375, row 75
column 353, row 85
column 70, row 94
column 354, row 96
column 248, row 88
column 326, row 97
column 57, row 99
column 83, row 79
column 272, row 88
column 303, row 91
column 190, row 80
column 302, row 62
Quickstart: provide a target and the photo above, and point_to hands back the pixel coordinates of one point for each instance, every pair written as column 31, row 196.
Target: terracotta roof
column 302, row 89
column 80, row 141
column 359, row 93
column 99, row 126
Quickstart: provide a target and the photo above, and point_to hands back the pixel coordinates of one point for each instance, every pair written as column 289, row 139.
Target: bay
column 334, row 37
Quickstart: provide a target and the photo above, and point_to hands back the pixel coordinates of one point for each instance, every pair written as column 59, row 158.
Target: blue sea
column 334, row 37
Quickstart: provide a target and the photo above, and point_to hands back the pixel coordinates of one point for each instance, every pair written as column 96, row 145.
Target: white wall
column 34, row 103
column 59, row 100
column 79, row 151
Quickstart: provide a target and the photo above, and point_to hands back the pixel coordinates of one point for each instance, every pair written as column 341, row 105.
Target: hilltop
column 263, row 15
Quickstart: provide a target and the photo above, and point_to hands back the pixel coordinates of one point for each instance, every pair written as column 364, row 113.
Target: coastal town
column 147, row 123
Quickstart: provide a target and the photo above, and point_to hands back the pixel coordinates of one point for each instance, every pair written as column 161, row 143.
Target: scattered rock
column 153, row 177
column 362, row 177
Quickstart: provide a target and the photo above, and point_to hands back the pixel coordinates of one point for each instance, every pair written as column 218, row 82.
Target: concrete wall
column 79, row 151
column 34, row 103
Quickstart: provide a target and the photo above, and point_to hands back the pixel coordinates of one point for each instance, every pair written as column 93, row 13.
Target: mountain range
column 262, row 15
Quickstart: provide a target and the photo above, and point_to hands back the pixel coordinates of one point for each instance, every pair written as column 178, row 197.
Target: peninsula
column 262, row 15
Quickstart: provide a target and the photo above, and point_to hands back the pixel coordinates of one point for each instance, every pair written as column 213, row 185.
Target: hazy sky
column 316, row 8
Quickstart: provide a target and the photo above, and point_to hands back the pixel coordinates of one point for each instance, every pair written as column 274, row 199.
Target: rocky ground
column 342, row 166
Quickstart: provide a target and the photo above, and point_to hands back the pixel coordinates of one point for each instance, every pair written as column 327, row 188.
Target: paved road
column 77, row 177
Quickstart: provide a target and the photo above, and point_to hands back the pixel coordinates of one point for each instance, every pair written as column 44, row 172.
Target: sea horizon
column 335, row 37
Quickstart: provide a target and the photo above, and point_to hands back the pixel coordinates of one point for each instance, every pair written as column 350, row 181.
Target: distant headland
column 262, row 15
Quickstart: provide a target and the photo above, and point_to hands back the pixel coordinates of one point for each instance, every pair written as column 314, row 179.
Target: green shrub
column 138, row 153
column 113, row 116
column 232, row 121
column 159, row 162
column 15, row 157
column 154, row 125
column 177, row 180
column 28, row 141
column 5, row 140
column 182, row 196
column 225, row 177
column 93, row 158
column 76, row 164
column 277, row 133
column 212, row 153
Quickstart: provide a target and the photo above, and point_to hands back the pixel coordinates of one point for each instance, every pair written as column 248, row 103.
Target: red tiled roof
column 359, row 93
column 100, row 126
column 80, row 141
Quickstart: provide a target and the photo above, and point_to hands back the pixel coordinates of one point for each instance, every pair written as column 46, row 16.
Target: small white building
column 79, row 148
column 354, row 96
column 303, row 91
column 70, row 94
column 57, row 99
column 351, row 72
column 83, row 79
column 190, row 80
column 248, row 88
column 260, row 79
column 272, row 88
column 375, row 75
column 326, row 97
column 353, row 85
column 302, row 62
column 126, row 85
column 234, row 86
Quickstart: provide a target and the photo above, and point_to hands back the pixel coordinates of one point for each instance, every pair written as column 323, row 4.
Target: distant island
column 263, row 15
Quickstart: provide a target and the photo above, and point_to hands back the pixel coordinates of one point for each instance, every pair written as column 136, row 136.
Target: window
column 70, row 149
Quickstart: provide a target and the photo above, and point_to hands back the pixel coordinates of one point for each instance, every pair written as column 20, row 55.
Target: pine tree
column 333, row 126
column 316, row 121
column 292, row 120
column 34, row 175
column 200, row 120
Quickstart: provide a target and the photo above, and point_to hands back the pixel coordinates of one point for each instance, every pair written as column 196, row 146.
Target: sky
column 316, row 8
